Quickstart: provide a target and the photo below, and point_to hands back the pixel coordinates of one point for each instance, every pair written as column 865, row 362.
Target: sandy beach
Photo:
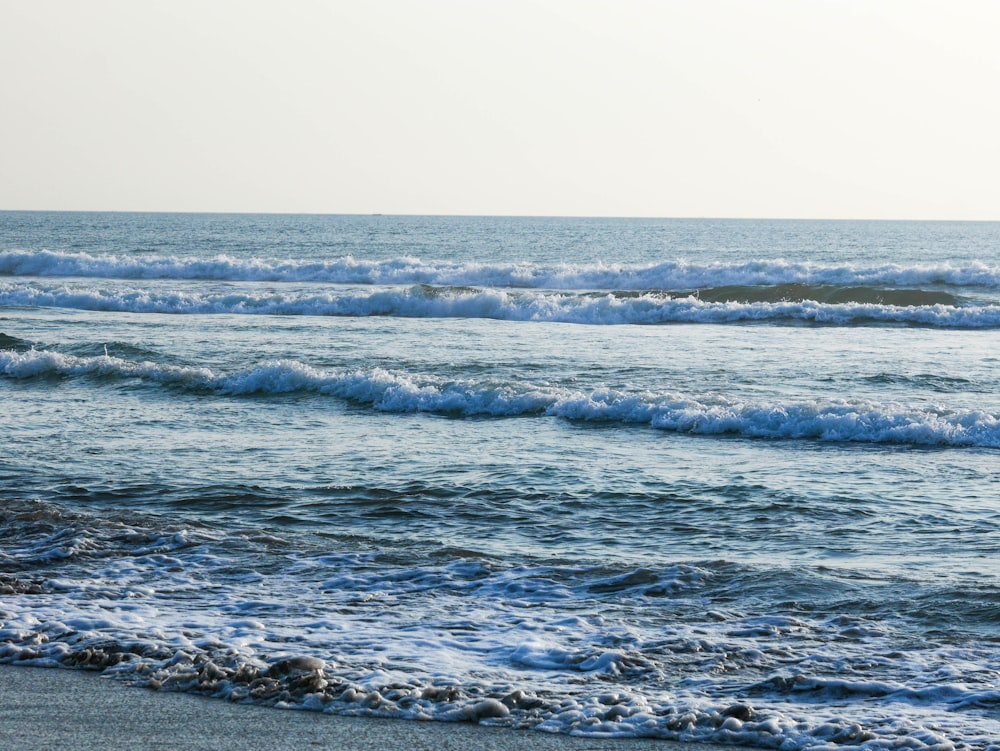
column 70, row 709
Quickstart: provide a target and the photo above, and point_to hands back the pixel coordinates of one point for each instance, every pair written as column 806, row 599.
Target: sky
column 703, row 108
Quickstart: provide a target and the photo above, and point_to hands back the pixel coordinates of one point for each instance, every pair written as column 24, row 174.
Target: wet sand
column 42, row 708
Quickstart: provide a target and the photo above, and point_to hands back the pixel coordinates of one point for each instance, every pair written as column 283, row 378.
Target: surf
column 673, row 274
column 781, row 304
column 395, row 391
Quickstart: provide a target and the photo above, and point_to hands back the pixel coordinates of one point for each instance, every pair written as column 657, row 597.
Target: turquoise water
column 717, row 480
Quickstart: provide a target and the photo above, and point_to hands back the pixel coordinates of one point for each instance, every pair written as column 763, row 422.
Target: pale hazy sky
column 742, row 108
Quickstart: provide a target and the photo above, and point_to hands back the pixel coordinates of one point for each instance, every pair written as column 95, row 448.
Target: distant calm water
column 734, row 481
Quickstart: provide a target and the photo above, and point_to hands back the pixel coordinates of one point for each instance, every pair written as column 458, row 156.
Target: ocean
column 709, row 480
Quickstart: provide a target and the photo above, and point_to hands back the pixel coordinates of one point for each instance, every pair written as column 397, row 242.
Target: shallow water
column 431, row 467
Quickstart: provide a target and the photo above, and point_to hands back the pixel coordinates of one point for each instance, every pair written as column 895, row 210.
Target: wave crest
column 666, row 275
column 720, row 305
column 836, row 420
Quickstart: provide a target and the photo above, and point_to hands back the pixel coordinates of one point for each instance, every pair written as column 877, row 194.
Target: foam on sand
column 47, row 708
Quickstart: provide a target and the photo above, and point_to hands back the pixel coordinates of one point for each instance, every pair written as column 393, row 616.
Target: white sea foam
column 568, row 558
column 840, row 420
column 421, row 301
column 667, row 275
column 351, row 644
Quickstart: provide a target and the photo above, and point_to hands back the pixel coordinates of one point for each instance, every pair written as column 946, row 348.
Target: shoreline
column 53, row 708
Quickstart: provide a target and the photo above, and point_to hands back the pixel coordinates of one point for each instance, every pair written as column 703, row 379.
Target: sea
column 728, row 481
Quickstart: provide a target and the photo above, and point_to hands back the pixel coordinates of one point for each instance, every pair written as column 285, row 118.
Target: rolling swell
column 742, row 304
column 12, row 343
column 667, row 275
column 836, row 420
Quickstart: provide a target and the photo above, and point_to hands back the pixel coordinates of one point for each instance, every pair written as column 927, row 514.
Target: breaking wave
column 668, row 275
column 837, row 420
column 784, row 303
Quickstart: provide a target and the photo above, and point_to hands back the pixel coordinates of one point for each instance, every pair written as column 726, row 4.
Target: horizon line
column 205, row 212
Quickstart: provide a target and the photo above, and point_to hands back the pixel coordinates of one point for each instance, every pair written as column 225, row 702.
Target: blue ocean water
column 734, row 481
